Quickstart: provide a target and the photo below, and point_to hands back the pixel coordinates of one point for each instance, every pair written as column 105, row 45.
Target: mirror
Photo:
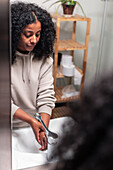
column 24, row 146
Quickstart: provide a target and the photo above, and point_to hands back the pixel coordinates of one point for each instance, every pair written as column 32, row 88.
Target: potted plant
column 68, row 6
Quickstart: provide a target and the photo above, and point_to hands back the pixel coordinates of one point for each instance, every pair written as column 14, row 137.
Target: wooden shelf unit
column 69, row 45
column 59, row 98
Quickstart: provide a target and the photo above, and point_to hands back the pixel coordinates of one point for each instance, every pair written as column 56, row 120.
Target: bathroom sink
column 25, row 148
column 24, row 141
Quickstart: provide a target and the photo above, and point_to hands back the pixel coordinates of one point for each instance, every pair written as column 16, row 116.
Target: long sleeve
column 13, row 108
column 45, row 94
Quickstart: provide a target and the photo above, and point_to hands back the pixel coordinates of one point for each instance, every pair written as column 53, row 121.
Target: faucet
column 50, row 133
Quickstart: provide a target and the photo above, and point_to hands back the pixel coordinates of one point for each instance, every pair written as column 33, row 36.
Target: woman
column 33, row 37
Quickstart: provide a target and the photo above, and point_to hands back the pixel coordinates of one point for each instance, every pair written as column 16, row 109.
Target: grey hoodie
column 32, row 85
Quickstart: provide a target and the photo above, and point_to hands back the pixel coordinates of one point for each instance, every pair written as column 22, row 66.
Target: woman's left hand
column 43, row 141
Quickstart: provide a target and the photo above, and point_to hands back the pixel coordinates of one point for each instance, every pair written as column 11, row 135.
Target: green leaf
column 54, row 3
column 75, row 2
column 57, row 8
column 68, row 3
column 81, row 8
column 46, row 1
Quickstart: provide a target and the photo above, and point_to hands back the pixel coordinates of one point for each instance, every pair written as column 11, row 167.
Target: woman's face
column 29, row 37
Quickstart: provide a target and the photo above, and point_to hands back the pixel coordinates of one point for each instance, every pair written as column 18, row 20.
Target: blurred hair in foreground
column 91, row 141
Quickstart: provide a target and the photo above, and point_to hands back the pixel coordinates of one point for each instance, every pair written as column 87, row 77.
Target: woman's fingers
column 37, row 128
column 43, row 139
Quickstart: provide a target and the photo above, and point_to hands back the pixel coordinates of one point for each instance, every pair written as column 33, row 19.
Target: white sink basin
column 24, row 141
column 25, row 148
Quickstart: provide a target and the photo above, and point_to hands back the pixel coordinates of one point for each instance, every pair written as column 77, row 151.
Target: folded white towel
column 77, row 77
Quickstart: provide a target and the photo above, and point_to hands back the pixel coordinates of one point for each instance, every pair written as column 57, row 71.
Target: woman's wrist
column 45, row 118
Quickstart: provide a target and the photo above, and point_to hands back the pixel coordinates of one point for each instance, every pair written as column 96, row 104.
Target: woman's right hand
column 37, row 128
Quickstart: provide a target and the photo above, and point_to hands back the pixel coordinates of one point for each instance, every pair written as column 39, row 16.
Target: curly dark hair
column 91, row 137
column 21, row 16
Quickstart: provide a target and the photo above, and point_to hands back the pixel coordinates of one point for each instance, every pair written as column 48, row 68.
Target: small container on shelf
column 67, row 66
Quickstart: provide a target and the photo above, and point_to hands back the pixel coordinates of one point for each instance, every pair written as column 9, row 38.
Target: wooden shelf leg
column 72, row 52
column 56, row 52
column 85, row 54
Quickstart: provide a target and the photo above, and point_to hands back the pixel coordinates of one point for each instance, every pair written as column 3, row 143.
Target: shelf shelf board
column 61, row 112
column 75, row 17
column 67, row 45
column 60, row 75
column 59, row 99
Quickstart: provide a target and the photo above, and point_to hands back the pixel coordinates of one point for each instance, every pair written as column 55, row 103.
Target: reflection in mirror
column 32, row 40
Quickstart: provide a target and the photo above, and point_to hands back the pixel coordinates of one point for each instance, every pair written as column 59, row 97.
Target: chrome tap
column 51, row 134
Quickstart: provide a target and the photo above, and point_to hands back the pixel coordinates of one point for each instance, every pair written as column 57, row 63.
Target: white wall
column 93, row 9
column 107, row 53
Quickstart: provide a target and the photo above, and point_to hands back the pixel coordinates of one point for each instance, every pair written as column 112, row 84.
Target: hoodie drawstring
column 26, row 67
column 29, row 70
column 23, row 69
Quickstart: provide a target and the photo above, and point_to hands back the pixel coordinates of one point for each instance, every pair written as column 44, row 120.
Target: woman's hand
column 43, row 141
column 37, row 128
column 40, row 135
